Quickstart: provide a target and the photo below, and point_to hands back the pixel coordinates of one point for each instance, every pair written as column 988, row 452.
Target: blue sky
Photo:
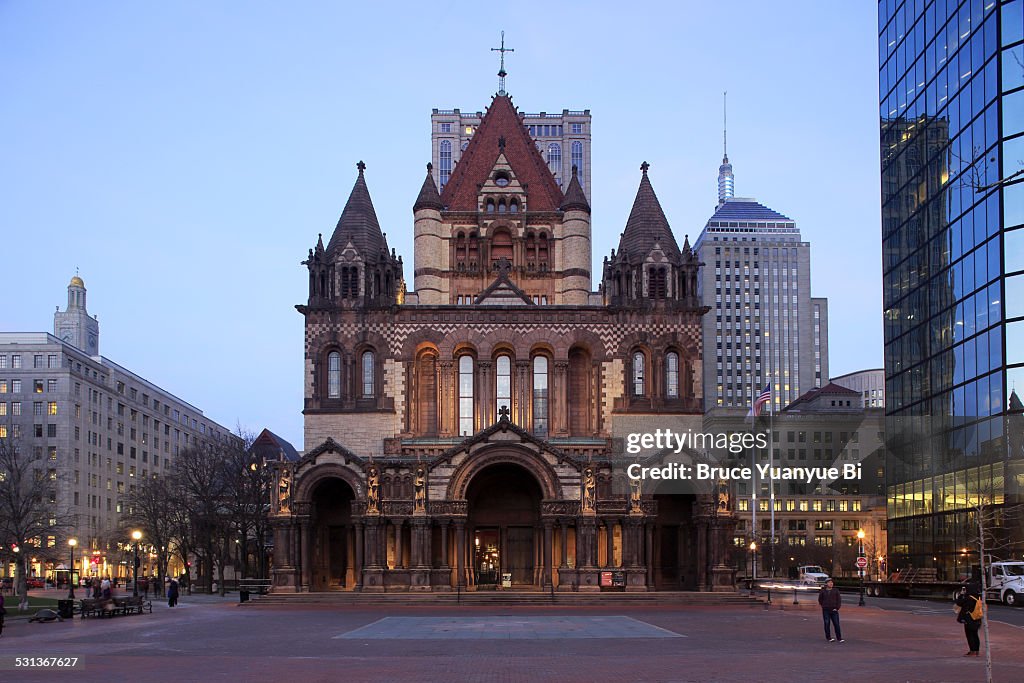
column 183, row 156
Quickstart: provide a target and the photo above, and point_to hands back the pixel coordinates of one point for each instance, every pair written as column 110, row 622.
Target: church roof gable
column 647, row 225
column 501, row 130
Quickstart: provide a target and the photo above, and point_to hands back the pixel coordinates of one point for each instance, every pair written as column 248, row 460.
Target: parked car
column 35, row 582
column 7, row 583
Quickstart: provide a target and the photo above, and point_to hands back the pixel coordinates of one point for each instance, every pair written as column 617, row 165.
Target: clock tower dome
column 74, row 326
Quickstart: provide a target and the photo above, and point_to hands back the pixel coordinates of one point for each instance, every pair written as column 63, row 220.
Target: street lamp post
column 72, row 542
column 753, row 564
column 136, row 535
column 860, row 554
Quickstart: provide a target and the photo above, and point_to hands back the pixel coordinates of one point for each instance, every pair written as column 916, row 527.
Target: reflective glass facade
column 951, row 95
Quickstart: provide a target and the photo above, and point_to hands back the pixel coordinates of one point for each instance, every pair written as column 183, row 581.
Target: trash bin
column 243, row 596
column 66, row 609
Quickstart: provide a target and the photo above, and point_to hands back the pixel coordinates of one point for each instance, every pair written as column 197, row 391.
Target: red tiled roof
column 501, row 121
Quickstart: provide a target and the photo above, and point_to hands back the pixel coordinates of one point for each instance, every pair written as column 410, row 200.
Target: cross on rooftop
column 501, row 70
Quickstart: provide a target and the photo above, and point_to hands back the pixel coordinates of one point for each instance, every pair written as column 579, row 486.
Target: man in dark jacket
column 830, row 602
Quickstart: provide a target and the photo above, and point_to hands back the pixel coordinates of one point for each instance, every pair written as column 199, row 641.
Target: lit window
column 51, row 408
column 334, row 375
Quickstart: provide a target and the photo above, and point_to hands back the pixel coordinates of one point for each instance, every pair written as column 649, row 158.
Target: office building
column 951, row 102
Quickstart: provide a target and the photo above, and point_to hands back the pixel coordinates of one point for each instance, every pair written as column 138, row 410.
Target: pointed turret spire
column 575, row 199
column 726, row 181
column 358, row 223
column 429, row 198
column 647, row 224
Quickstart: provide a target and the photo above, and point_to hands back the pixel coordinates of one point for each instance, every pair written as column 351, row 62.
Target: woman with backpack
column 971, row 612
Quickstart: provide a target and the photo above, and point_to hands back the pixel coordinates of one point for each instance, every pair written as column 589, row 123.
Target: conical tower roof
column 428, row 197
column 647, row 224
column 501, row 130
column 575, row 199
column 358, row 223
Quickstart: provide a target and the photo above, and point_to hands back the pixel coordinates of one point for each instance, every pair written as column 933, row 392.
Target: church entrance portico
column 504, row 526
column 332, row 536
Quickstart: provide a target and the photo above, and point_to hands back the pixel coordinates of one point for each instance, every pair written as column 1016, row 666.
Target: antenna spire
column 501, row 70
column 726, row 181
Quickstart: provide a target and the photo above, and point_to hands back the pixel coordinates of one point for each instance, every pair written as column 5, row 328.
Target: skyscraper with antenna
column 726, row 182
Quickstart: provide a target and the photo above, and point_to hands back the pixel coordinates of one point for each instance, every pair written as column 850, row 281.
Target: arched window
column 542, row 251
column 503, row 386
column 426, row 393
column 501, row 246
column 577, row 159
column 474, row 250
column 368, row 382
column 639, row 388
column 490, row 206
column 540, row 396
column 501, row 206
column 445, row 162
column 513, row 206
column 672, row 374
column 461, row 248
column 555, row 157
column 465, row 395
column 334, row 375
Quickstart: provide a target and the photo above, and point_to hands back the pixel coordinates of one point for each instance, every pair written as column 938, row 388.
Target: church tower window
column 465, row 395
column 540, row 396
column 639, row 385
column 503, row 386
column 672, row 374
column 334, row 375
column 577, row 160
column 368, row 389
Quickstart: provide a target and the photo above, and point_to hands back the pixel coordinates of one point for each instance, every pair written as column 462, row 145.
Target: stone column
column 521, row 408
column 546, row 576
column 594, row 411
column 564, row 563
column 444, row 544
column 460, row 553
column 398, row 523
column 307, row 556
column 448, row 407
column 649, row 553
column 359, row 556
column 609, row 526
column 557, row 397
column 485, row 399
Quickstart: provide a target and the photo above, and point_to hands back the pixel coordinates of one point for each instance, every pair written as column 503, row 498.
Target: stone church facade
column 468, row 434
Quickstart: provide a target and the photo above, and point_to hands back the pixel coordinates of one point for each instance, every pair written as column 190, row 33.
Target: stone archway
column 332, row 536
column 504, row 527
column 675, row 543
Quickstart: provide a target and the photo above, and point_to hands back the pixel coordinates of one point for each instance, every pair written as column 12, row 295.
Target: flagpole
column 771, row 463
column 753, row 485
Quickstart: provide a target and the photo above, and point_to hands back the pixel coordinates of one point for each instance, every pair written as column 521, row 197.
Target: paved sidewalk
column 214, row 640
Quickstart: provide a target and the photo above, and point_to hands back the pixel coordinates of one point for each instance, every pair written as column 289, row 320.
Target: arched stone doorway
column 332, row 565
column 675, row 543
column 504, row 527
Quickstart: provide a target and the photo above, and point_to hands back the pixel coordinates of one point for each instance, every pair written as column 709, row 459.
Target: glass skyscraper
column 951, row 95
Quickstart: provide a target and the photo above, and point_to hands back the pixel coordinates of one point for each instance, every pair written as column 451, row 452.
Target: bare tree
column 28, row 511
column 150, row 507
column 247, row 486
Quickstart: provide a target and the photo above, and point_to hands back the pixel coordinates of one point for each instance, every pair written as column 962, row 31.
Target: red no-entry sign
column 862, row 562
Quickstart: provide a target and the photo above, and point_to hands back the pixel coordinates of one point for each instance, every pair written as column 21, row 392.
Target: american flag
column 764, row 397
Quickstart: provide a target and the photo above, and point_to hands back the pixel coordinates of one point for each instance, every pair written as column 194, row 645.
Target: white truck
column 811, row 575
column 1005, row 582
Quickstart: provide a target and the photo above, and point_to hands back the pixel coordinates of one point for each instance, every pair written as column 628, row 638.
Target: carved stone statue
column 723, row 495
column 373, row 492
column 589, row 486
column 420, row 491
column 284, row 489
column 634, row 495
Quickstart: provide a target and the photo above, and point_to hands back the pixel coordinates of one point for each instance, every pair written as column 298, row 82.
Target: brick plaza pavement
column 212, row 640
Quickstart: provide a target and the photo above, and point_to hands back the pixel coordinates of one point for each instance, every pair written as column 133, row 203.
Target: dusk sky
column 184, row 156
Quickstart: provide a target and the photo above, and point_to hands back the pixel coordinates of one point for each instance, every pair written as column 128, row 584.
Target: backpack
column 979, row 609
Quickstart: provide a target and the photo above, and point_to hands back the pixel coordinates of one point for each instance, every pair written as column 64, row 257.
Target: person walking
column 3, row 612
column 971, row 612
column 830, row 601
column 172, row 593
